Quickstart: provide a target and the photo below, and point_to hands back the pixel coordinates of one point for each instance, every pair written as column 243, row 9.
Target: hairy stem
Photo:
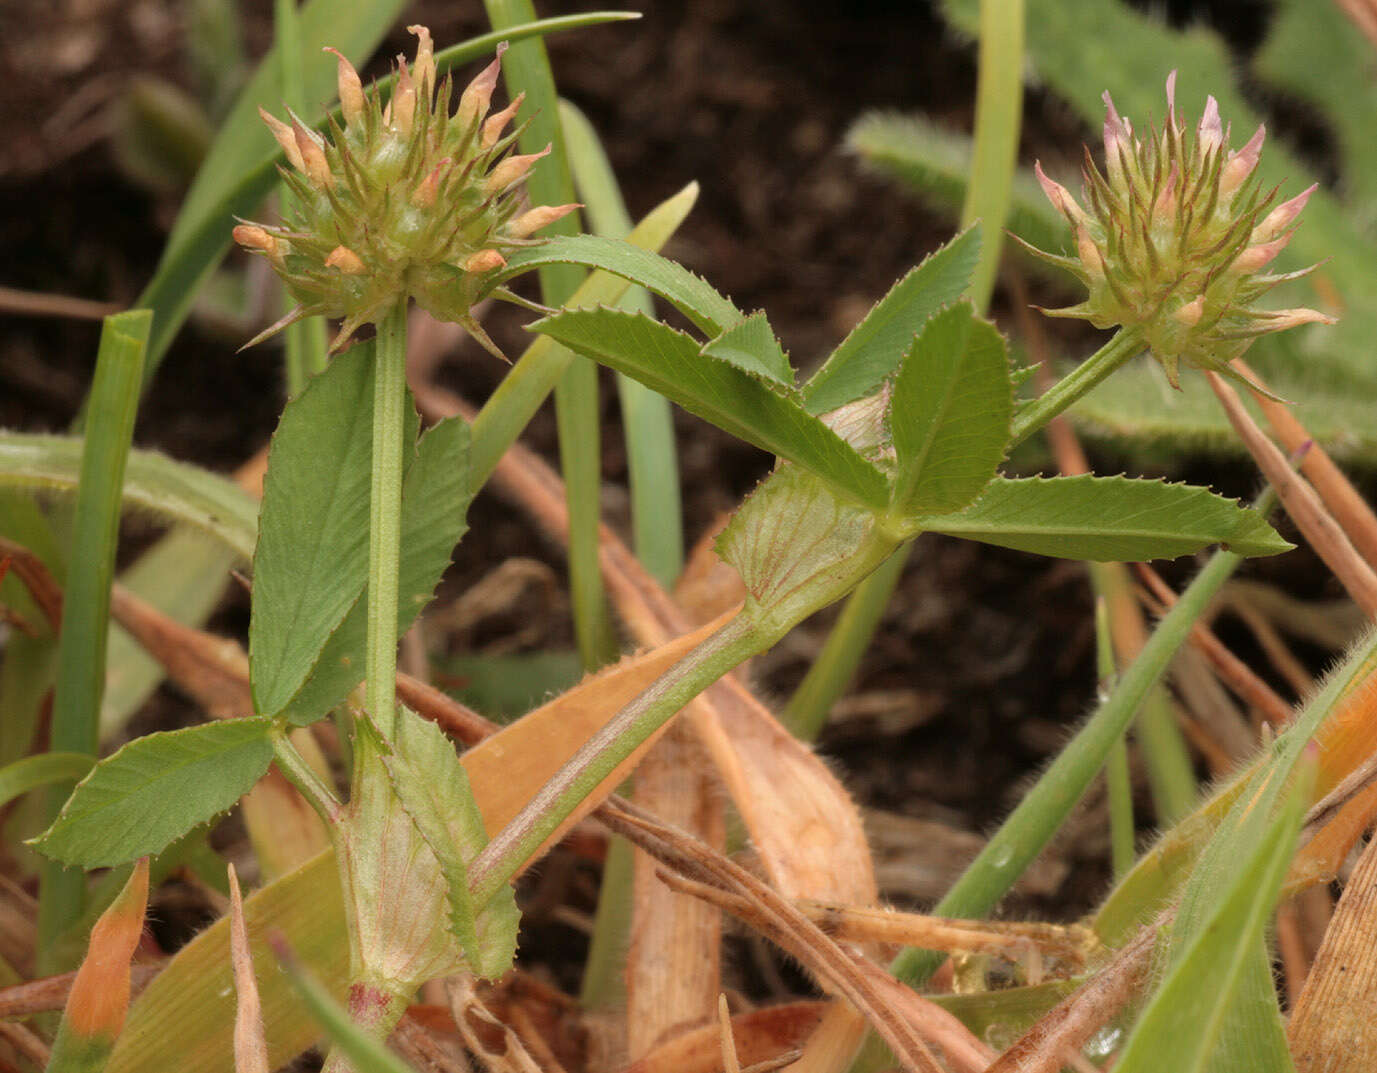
column 737, row 640
column 385, row 518
column 1127, row 343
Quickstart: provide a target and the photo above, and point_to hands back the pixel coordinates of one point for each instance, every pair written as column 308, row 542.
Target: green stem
column 836, row 665
column 385, row 517
column 1127, row 343
column 1121, row 830
column 502, row 858
column 80, row 681
column 1045, row 807
column 301, row 775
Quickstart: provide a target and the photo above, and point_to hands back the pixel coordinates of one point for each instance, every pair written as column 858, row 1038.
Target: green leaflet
column 153, row 483
column 156, row 789
column 434, row 790
column 752, row 347
column 311, row 562
column 693, row 296
column 1106, row 519
column 950, row 412
column 435, row 500
column 877, row 344
column 761, row 413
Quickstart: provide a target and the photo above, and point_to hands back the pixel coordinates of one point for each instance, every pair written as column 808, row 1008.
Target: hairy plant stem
column 737, row 640
column 1126, row 343
column 385, row 518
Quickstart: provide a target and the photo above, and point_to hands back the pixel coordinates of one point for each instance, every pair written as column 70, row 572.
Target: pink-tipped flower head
column 403, row 201
column 1174, row 238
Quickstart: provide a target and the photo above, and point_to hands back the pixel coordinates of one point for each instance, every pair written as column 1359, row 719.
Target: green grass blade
column 1122, row 842
column 648, row 425
column 114, row 401
column 527, row 68
column 43, row 769
column 1199, row 1021
column 153, row 484
column 998, row 116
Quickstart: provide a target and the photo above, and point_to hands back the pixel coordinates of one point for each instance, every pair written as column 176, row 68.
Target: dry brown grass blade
column 699, row 870
column 673, row 963
column 250, row 1046
column 1349, row 508
column 730, row 1062
column 494, row 1044
column 1068, row 1025
column 1364, row 16
column 1333, row 1028
column 27, row 1043
column 1236, row 674
column 802, row 822
column 761, row 1036
column 1070, row 943
column 1320, row 529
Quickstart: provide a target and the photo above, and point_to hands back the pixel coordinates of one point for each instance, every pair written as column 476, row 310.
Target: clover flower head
column 404, row 200
column 1176, row 237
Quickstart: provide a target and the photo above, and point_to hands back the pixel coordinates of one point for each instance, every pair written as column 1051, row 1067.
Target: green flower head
column 1176, row 240
column 403, row 201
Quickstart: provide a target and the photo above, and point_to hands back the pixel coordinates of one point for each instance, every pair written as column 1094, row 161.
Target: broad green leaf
column 1184, row 1024
column 434, row 790
column 950, row 411
column 1107, row 519
column 156, row 789
column 435, row 500
column 935, row 163
column 691, row 295
column 238, row 172
column 752, row 347
column 671, row 363
column 43, row 769
column 312, row 557
column 877, row 344
column 153, row 484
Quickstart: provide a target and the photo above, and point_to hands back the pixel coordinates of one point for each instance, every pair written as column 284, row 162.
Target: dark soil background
column 985, row 658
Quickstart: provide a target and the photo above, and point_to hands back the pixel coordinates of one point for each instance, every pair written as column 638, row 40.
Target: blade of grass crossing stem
column 368, row 1055
column 999, row 109
column 656, row 522
column 304, row 339
column 86, row 610
column 1045, row 807
column 527, row 67
column 1116, row 768
column 99, row 999
column 648, row 425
